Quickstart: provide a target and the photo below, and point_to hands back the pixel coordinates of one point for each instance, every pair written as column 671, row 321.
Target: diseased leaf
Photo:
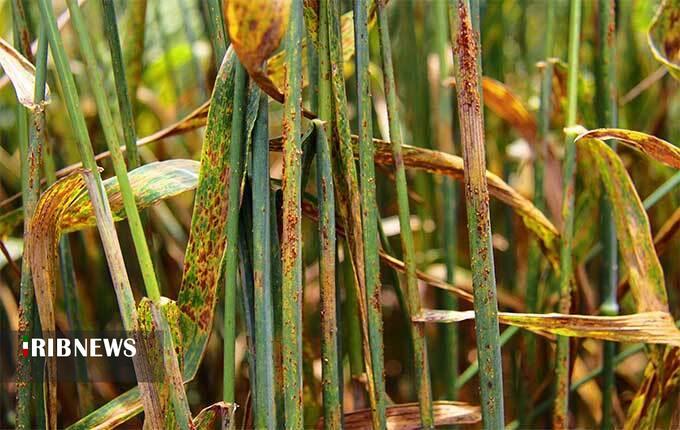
column 450, row 165
column 220, row 412
column 256, row 28
column 503, row 102
column 647, row 327
column 661, row 379
column 21, row 73
column 207, row 240
column 276, row 67
column 632, row 228
column 150, row 183
column 660, row 150
column 407, row 416
column 111, row 414
column 664, row 36
column 43, row 236
column 42, row 239
column 441, row 163
column 158, row 338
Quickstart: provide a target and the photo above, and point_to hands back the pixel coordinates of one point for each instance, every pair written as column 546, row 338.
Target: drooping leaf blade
column 632, row 228
column 658, row 149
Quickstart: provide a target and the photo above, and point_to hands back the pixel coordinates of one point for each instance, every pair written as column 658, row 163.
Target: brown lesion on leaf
column 466, row 49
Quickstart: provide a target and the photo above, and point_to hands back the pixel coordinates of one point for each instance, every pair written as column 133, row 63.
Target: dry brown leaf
column 21, row 73
column 645, row 327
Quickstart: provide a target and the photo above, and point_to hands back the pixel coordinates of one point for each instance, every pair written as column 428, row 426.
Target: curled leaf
column 220, row 412
column 663, row 36
column 660, row 150
column 21, row 73
column 647, row 327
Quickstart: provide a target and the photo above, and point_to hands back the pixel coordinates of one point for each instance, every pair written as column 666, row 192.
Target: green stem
column 661, row 192
column 275, row 257
column 562, row 366
column 231, row 253
column 606, row 109
column 110, row 135
column 332, row 386
column 291, row 250
column 467, row 73
column 534, row 266
column 30, row 147
column 127, row 118
column 445, row 140
column 349, row 198
column 369, row 207
column 354, row 351
column 420, row 359
column 70, row 95
column 265, row 407
column 219, row 39
column 473, row 368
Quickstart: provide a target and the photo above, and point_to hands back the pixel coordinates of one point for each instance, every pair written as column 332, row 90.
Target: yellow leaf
column 256, row 28
column 660, row 150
